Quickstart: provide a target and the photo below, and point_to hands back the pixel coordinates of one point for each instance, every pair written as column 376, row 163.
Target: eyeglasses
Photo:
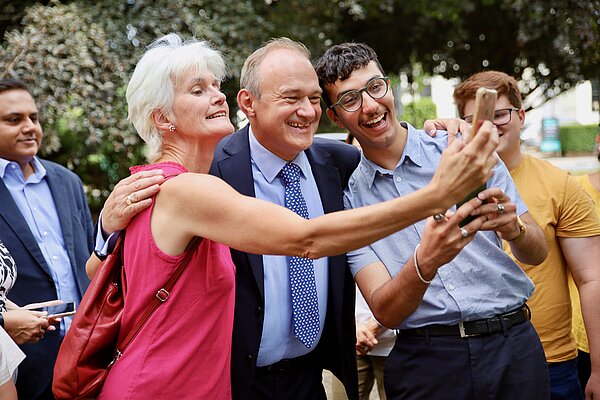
column 501, row 117
column 351, row 101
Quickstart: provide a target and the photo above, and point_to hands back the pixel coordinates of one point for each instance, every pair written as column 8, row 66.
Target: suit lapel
column 236, row 170
column 64, row 208
column 329, row 183
column 14, row 219
column 327, row 178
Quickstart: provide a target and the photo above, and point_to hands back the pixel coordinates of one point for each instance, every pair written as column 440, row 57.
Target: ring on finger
column 438, row 217
column 500, row 208
column 464, row 233
column 128, row 200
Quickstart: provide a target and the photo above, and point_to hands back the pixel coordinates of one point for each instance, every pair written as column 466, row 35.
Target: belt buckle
column 461, row 330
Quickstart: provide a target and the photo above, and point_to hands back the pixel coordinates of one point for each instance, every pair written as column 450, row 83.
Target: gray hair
column 152, row 85
column 250, row 76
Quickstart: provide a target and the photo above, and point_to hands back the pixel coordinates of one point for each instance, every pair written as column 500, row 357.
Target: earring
column 171, row 128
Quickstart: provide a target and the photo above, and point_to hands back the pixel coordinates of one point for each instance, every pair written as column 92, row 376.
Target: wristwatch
column 522, row 230
column 1, row 320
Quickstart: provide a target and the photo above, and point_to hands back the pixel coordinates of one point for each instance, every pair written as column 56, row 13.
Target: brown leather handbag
column 90, row 346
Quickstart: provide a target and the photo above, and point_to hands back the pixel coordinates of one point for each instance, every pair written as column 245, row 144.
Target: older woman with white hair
column 183, row 350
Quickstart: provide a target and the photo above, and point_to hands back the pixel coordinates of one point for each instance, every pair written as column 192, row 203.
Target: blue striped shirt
column 480, row 282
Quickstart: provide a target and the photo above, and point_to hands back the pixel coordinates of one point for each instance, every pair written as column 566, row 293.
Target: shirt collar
column 39, row 172
column 412, row 151
column 269, row 164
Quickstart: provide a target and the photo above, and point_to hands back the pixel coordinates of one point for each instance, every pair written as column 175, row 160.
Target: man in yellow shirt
column 571, row 227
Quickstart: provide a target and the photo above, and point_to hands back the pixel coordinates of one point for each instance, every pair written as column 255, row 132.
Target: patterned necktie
column 305, row 304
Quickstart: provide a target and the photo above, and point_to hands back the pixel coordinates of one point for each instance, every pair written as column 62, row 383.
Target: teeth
column 375, row 120
column 297, row 125
column 216, row 115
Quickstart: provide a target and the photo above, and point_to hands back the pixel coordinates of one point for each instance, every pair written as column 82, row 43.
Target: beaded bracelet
column 425, row 281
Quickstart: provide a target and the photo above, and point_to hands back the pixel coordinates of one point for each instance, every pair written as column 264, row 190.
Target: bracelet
column 425, row 281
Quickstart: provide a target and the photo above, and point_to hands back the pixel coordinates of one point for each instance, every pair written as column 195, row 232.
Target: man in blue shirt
column 46, row 225
column 464, row 331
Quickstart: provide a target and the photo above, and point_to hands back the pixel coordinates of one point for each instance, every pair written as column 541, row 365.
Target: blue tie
column 305, row 304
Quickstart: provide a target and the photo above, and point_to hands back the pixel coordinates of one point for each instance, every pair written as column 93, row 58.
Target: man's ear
column 245, row 101
column 521, row 113
column 161, row 120
column 334, row 117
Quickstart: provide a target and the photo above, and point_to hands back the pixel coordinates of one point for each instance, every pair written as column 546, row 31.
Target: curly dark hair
column 339, row 61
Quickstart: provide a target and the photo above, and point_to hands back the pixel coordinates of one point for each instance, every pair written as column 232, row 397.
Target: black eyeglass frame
column 360, row 91
column 510, row 111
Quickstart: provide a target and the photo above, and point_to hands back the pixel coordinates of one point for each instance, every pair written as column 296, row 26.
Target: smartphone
column 474, row 193
column 485, row 107
column 60, row 310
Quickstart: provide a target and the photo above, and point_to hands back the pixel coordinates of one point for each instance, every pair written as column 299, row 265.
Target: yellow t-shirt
column 559, row 206
column 578, row 326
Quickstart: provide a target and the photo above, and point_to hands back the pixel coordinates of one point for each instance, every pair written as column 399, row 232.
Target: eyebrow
column 19, row 114
column 286, row 92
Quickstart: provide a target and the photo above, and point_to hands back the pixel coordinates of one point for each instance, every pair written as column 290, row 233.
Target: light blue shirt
column 480, row 282
column 278, row 340
column 35, row 201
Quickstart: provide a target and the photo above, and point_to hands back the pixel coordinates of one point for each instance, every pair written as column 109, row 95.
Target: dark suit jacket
column 332, row 164
column 34, row 279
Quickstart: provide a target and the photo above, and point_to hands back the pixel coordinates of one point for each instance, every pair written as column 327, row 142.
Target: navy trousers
column 301, row 378
column 564, row 381
column 507, row 365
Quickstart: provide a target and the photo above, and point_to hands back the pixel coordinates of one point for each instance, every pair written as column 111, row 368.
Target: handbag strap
column 161, row 296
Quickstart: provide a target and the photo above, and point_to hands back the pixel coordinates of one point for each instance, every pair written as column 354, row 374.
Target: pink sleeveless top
column 184, row 350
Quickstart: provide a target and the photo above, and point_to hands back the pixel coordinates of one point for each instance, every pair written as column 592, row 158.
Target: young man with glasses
column 571, row 228
column 457, row 323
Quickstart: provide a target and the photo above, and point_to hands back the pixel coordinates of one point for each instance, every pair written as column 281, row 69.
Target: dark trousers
column 564, row 381
column 584, row 368
column 507, row 365
column 297, row 379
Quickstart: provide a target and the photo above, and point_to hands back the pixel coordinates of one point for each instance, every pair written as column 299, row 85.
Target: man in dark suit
column 46, row 225
column 280, row 95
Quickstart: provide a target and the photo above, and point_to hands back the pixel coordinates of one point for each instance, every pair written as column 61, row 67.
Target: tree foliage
column 77, row 59
column 548, row 46
column 77, row 55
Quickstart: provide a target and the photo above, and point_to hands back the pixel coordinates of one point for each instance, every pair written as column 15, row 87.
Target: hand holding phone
column 485, row 108
column 58, row 310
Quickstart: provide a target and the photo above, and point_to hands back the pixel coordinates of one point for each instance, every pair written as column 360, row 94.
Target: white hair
column 152, row 85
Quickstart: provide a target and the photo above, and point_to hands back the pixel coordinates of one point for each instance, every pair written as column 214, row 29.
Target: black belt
column 291, row 364
column 474, row 328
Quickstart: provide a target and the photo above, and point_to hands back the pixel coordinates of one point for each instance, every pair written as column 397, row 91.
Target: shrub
column 578, row 138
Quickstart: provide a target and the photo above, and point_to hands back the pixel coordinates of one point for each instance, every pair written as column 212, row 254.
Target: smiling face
column 374, row 124
column 20, row 129
column 509, row 148
column 199, row 107
column 286, row 115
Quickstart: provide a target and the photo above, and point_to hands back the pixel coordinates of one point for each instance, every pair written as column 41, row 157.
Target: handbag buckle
column 162, row 295
column 117, row 356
